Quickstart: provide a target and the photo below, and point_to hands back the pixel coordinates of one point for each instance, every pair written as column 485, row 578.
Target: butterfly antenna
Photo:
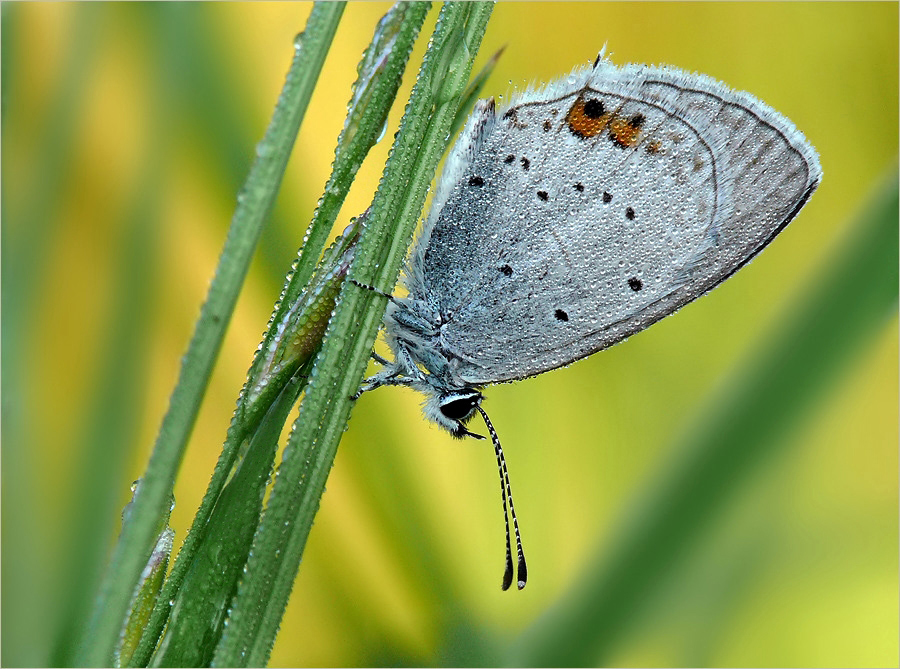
column 506, row 491
column 373, row 289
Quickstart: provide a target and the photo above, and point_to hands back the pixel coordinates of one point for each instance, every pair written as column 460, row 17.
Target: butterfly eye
column 460, row 406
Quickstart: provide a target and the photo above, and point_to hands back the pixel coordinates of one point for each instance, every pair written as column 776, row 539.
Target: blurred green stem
column 28, row 220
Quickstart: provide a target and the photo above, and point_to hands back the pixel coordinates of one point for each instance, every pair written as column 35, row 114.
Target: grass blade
column 254, row 203
column 279, row 544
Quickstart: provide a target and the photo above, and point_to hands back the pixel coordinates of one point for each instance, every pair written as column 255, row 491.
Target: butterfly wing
column 590, row 209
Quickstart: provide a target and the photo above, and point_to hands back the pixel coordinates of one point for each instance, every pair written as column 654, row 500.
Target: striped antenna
column 521, row 568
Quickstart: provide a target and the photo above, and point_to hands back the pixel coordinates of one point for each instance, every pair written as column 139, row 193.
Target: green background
column 127, row 130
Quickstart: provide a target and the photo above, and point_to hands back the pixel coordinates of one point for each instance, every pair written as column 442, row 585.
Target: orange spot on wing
column 583, row 119
column 623, row 132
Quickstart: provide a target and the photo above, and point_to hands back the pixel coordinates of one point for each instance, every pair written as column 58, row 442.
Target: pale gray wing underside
column 583, row 219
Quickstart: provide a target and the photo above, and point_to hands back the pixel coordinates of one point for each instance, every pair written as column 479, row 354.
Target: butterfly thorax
column 422, row 361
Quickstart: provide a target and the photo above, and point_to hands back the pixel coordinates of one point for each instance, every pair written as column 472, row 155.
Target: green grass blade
column 254, row 203
column 197, row 593
column 473, row 90
column 199, row 609
column 380, row 74
column 152, row 578
column 278, row 547
column 851, row 303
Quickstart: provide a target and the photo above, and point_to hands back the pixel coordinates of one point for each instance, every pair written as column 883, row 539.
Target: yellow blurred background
column 132, row 127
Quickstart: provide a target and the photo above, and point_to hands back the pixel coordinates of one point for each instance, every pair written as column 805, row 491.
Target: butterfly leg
column 384, row 362
column 395, row 373
column 387, row 377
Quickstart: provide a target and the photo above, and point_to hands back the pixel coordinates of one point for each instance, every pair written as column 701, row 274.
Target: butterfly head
column 453, row 409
